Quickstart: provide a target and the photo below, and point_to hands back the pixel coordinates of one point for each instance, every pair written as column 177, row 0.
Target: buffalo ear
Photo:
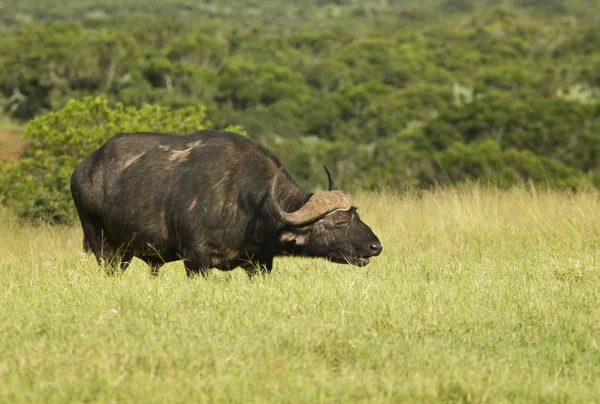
column 291, row 237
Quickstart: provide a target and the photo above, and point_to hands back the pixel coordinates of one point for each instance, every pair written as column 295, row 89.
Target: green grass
column 480, row 295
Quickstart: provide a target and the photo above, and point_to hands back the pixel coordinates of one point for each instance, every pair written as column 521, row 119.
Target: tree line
column 387, row 95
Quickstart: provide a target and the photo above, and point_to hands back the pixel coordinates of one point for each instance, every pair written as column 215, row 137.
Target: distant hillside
column 276, row 12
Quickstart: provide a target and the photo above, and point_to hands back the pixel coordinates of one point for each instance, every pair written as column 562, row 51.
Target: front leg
column 155, row 263
column 260, row 266
column 196, row 263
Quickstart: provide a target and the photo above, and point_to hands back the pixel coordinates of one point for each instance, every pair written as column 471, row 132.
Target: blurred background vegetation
column 389, row 94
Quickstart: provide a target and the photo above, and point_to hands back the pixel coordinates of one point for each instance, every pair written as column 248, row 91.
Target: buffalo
column 214, row 199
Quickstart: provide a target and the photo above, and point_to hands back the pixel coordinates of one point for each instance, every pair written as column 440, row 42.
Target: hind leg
column 92, row 236
column 106, row 252
column 86, row 245
column 124, row 259
column 111, row 257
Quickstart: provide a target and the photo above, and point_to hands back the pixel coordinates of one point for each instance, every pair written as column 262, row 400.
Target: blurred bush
column 37, row 187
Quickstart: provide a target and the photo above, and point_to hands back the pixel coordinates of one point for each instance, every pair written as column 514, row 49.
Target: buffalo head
column 327, row 226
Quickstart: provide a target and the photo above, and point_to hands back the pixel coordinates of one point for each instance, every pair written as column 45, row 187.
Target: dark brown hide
column 207, row 198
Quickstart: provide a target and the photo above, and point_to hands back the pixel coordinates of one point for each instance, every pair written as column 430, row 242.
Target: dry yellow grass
column 480, row 295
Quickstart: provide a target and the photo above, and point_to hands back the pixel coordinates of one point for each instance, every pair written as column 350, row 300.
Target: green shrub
column 37, row 186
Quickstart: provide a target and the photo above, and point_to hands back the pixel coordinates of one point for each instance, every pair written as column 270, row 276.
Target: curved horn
column 329, row 178
column 316, row 207
column 274, row 205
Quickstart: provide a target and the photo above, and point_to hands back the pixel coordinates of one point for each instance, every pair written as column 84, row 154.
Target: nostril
column 376, row 247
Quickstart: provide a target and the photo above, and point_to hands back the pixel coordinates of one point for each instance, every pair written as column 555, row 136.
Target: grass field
column 479, row 296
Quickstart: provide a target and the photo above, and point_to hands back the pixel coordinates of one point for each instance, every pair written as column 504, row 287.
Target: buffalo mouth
column 356, row 261
column 360, row 261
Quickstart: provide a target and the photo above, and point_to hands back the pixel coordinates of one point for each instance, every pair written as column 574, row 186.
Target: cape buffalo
column 214, row 199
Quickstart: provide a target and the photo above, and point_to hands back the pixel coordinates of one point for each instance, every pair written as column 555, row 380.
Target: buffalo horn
column 318, row 205
column 329, row 178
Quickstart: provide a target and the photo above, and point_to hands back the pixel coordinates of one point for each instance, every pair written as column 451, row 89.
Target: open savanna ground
column 480, row 295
